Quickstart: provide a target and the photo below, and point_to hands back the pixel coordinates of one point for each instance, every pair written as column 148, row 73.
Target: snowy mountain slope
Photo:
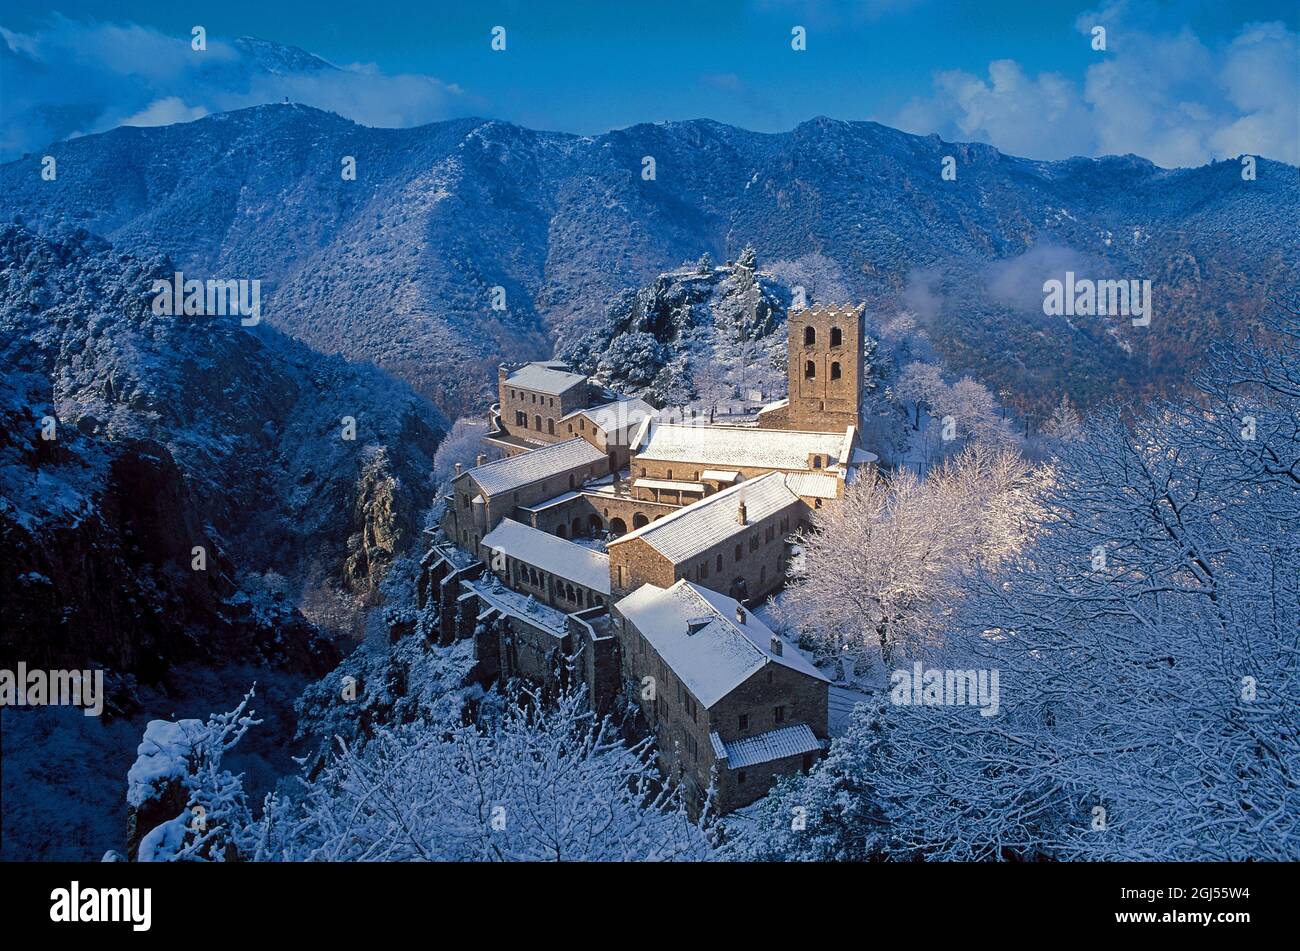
column 176, row 432
column 399, row 265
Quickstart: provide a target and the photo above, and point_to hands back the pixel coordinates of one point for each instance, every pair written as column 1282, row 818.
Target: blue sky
column 1180, row 82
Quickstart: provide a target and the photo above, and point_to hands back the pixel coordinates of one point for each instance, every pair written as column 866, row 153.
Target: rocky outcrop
column 155, row 471
column 386, row 518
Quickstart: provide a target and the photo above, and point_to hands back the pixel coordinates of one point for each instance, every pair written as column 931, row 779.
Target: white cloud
column 166, row 112
column 1165, row 96
column 76, row 77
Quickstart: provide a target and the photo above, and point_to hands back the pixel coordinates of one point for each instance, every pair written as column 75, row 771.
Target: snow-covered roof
column 861, row 457
column 719, row 475
column 812, row 485
column 618, row 415
column 534, row 465
column 778, row 404
column 721, row 654
column 547, row 377
column 558, row 500
column 724, row 446
column 688, row 531
column 553, row 555
column 766, row 747
column 514, row 604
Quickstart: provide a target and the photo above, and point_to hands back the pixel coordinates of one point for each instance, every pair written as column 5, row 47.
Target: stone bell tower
column 825, row 370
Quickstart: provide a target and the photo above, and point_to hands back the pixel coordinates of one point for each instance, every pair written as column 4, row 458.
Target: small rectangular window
column 778, row 714
column 744, row 721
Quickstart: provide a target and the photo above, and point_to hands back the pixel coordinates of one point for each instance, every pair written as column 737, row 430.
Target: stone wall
column 804, row 700
column 748, row 575
column 542, row 412
column 622, row 514
column 682, row 725
column 825, row 371
column 466, row 522
column 677, row 719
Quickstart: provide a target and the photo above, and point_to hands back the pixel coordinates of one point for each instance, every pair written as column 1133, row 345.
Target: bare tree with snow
column 881, row 567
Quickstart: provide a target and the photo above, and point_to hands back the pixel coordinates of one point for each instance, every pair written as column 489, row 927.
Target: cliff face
column 130, row 440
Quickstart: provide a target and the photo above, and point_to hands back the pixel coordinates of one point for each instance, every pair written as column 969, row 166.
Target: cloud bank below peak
column 75, row 78
column 1166, row 96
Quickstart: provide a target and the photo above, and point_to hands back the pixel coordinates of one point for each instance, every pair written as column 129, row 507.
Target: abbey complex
column 620, row 548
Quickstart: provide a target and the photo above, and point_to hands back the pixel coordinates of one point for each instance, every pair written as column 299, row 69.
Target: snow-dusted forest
column 700, row 433
column 1134, row 585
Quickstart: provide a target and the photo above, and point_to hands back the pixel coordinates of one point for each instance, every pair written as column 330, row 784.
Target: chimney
column 740, row 614
column 480, row 460
column 742, row 516
column 458, row 468
column 777, row 645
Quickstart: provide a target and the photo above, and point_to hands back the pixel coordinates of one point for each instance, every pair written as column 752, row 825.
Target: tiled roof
column 534, row 465
column 553, row 555
column 558, row 500
column 618, row 415
column 766, row 747
column 545, row 378
column 511, row 603
column 808, row 485
column 721, row 654
column 688, row 531
column 730, row 446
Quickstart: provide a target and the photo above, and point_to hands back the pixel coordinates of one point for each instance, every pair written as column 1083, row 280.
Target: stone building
column 610, row 427
column 517, row 634
column 558, row 573
column 484, row 495
column 532, row 398
column 824, row 367
column 734, row 542
column 697, row 519
column 730, row 703
column 681, row 463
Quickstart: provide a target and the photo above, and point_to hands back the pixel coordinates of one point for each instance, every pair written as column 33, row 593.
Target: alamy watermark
column 1084, row 297
column 947, row 688
column 210, row 298
column 26, row 687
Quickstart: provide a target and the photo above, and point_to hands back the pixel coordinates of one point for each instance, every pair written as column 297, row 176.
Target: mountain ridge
column 398, row 267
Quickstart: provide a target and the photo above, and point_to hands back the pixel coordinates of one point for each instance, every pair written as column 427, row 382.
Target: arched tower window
column 809, row 337
column 835, row 371
column 809, row 370
column 837, row 337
